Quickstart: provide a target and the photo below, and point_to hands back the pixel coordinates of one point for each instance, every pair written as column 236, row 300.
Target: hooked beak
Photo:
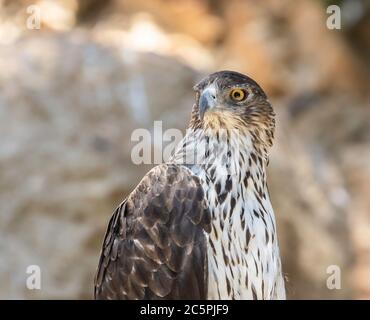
column 207, row 101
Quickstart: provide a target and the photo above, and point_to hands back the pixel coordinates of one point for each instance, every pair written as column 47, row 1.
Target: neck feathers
column 225, row 152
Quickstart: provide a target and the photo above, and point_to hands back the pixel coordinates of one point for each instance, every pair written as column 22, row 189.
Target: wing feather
column 155, row 245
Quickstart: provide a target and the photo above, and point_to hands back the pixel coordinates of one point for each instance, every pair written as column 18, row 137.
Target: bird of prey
column 201, row 226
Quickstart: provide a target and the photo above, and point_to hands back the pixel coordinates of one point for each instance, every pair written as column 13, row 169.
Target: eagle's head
column 228, row 100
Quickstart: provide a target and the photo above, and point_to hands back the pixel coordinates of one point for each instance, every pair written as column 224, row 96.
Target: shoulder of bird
column 154, row 235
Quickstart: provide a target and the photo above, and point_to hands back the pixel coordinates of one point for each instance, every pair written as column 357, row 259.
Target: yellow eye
column 237, row 95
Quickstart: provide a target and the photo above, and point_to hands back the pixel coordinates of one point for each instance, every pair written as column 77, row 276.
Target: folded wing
column 155, row 246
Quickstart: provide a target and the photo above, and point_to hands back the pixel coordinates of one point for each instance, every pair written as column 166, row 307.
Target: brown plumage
column 155, row 240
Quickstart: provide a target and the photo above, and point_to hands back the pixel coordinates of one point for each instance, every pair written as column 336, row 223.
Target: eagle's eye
column 237, row 95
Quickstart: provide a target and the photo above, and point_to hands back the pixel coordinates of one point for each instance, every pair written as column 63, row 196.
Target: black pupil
column 236, row 94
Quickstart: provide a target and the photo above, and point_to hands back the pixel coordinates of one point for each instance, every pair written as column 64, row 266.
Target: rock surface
column 70, row 100
column 68, row 108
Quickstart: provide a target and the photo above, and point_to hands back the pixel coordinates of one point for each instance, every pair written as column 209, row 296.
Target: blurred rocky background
column 74, row 86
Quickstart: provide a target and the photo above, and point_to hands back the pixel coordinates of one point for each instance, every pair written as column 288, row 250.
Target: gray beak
column 207, row 101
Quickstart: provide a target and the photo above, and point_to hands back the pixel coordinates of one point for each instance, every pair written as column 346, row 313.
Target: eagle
column 201, row 225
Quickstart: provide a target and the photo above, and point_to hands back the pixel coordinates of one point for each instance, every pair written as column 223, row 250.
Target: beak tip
column 207, row 101
column 203, row 106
